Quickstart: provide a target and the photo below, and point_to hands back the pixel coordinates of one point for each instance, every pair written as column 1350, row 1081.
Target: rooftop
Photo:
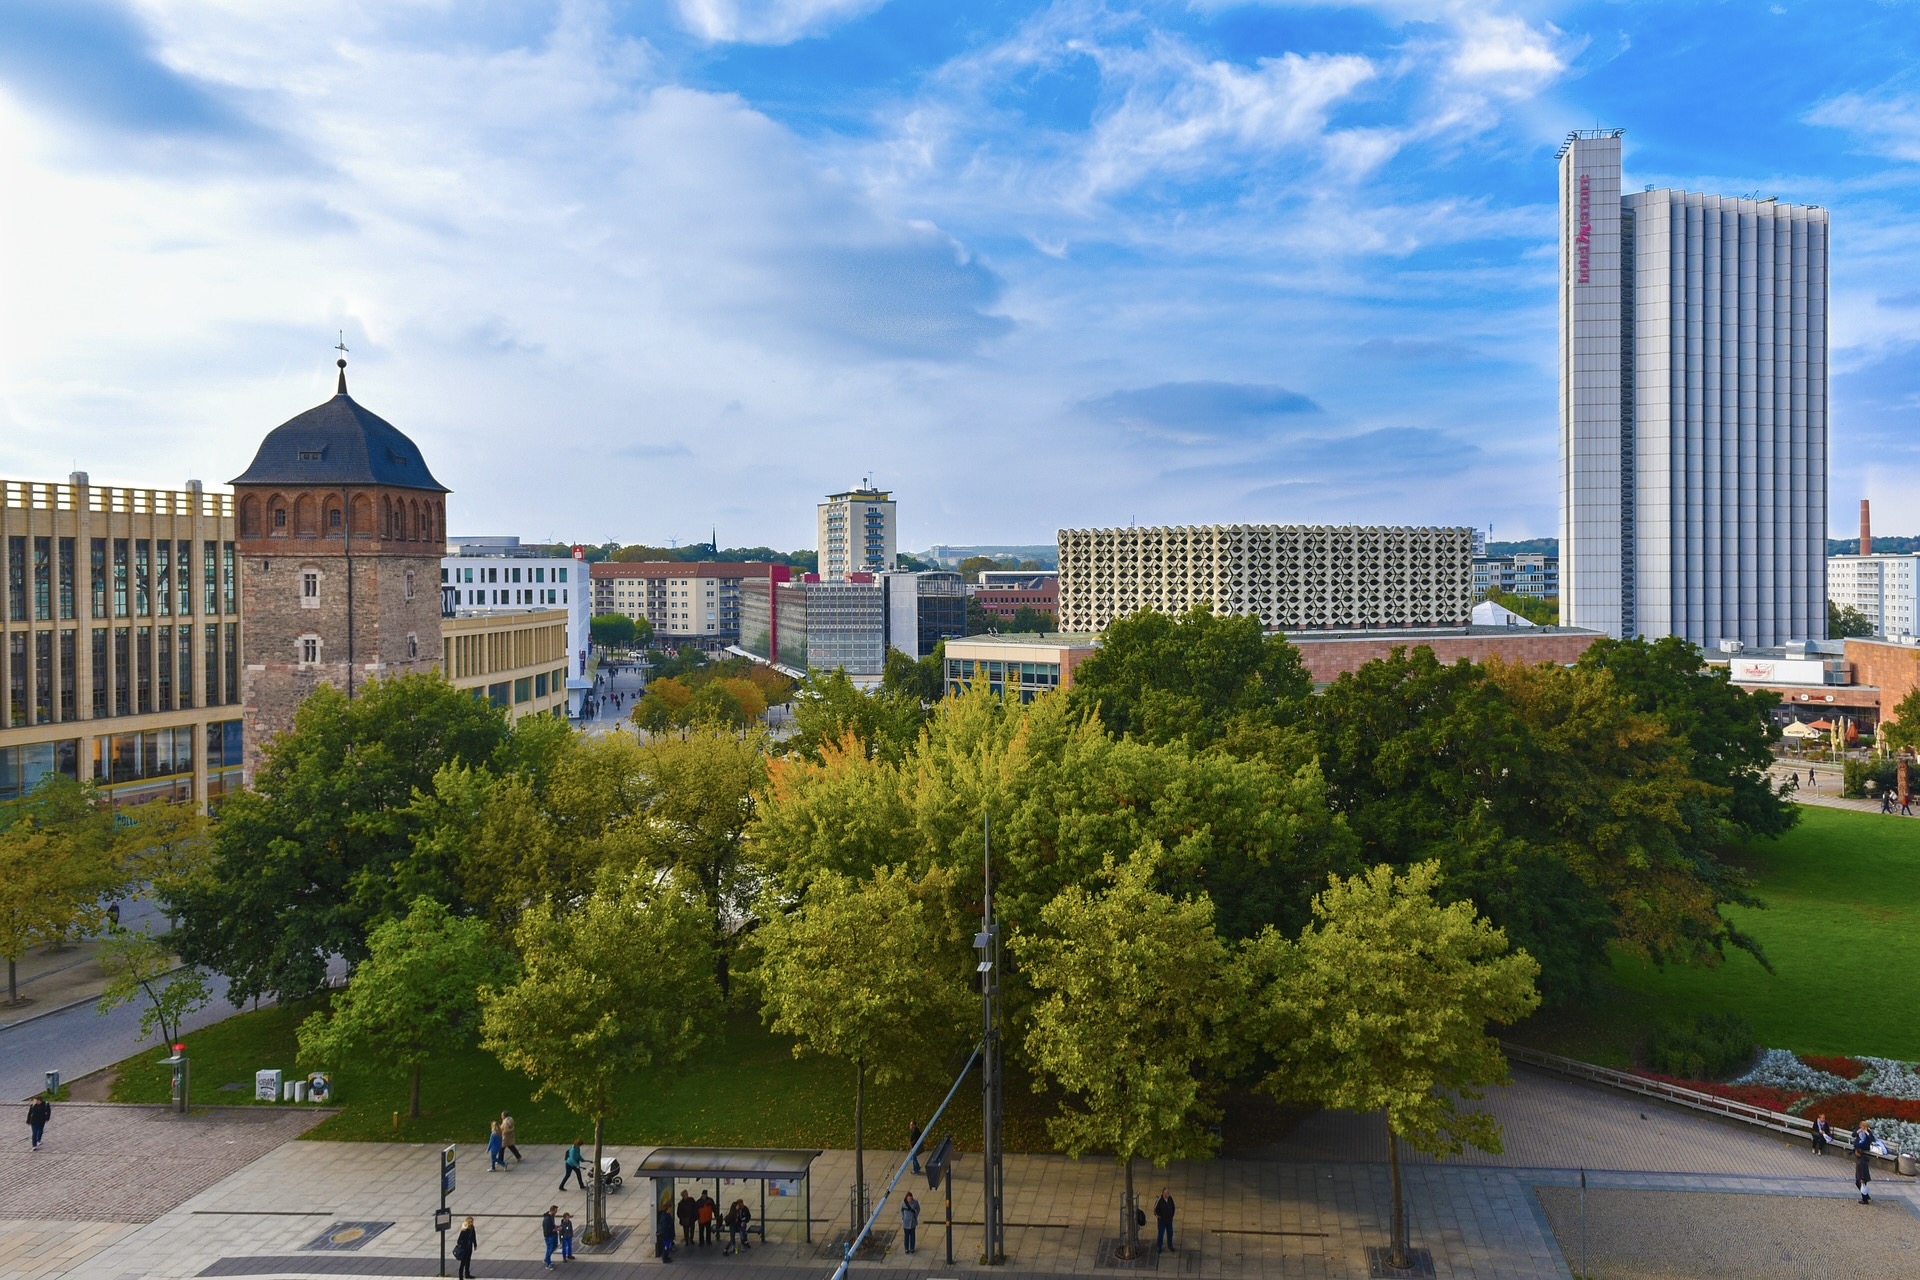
column 338, row 443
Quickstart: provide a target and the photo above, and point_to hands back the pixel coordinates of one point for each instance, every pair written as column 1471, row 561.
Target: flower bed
column 1845, row 1068
column 1779, row 1069
column 1754, row 1095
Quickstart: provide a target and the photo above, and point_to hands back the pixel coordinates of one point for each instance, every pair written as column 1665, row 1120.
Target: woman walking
column 463, row 1249
column 496, row 1149
column 1863, row 1162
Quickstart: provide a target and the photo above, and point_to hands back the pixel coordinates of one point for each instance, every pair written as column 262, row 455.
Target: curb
column 71, row 1004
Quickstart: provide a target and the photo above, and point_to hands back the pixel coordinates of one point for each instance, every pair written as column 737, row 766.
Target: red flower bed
column 1754, row 1095
column 1846, row 1110
column 1845, row 1068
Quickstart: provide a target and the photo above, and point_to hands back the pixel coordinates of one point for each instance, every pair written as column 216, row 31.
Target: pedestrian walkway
column 1310, row 1206
column 1826, row 792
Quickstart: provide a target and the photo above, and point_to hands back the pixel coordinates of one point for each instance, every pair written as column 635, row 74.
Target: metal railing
column 1780, row 1122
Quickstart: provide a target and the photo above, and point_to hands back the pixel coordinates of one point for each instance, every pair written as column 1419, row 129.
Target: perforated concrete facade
column 1291, row 577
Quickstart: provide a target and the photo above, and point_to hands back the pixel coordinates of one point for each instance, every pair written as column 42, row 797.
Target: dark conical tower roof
column 339, row 443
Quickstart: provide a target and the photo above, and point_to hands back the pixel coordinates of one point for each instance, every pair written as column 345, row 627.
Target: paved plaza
column 152, row 1196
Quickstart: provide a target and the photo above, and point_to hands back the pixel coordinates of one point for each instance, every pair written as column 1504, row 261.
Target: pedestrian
column 689, row 1213
column 39, row 1111
column 495, row 1147
column 913, row 1143
column 550, row 1232
column 1886, row 800
column 463, row 1248
column 742, row 1219
column 1863, row 1161
column 566, row 1237
column 705, row 1207
column 909, row 1219
column 1906, row 806
column 1822, row 1135
column 663, row 1234
column 572, row 1169
column 506, row 1137
column 1163, row 1215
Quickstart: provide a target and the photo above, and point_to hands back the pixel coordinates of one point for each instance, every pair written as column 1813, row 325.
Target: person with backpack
column 574, row 1161
column 463, row 1248
column 1163, row 1214
column 39, row 1111
column 703, row 1211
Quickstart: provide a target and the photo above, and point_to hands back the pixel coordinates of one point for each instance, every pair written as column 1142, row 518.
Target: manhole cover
column 347, row 1235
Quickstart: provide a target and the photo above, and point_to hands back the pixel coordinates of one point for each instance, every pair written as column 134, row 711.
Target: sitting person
column 1822, row 1135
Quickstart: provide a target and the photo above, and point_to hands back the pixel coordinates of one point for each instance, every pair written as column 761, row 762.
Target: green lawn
column 1841, row 928
column 745, row 1089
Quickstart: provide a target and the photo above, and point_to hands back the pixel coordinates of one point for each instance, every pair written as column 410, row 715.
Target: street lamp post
column 987, row 944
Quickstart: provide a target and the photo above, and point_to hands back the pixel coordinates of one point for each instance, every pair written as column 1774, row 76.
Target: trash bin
column 1908, row 1164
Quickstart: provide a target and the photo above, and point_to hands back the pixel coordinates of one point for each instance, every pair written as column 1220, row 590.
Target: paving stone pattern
column 107, row 1163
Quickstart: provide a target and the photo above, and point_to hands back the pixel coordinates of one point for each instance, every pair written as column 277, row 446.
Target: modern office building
column 517, row 659
column 816, row 626
column 693, row 602
column 922, row 609
column 1526, row 574
column 859, row 533
column 485, row 576
column 1883, row 587
column 1693, row 409
column 1291, row 577
column 120, row 640
column 1030, row 665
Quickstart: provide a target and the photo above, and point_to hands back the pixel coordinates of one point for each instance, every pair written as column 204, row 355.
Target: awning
column 727, row 1162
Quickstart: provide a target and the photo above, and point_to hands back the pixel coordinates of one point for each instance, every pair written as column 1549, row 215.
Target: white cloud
column 1888, row 124
column 768, row 21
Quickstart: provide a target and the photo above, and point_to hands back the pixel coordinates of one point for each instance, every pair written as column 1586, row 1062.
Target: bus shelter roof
column 730, row 1162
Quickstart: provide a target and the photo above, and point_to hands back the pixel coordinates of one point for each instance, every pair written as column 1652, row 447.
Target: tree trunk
column 413, row 1094
column 859, row 1142
column 1398, row 1253
column 597, row 1224
column 1130, row 1247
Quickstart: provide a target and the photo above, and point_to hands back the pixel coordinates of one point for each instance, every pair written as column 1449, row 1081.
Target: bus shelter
column 784, row 1178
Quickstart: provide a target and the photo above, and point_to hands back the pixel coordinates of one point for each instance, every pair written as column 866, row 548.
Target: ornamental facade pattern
column 1291, row 577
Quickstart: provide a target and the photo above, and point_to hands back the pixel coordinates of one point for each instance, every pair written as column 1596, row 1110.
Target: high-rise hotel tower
column 1693, row 409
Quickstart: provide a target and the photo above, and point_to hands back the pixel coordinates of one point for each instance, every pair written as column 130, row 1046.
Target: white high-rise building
column 858, row 533
column 1693, row 409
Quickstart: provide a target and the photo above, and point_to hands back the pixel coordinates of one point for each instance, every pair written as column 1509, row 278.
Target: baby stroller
column 610, row 1173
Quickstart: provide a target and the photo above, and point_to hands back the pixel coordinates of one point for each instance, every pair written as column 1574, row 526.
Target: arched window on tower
column 306, row 521
column 277, row 516
column 362, row 515
column 249, row 517
column 333, row 517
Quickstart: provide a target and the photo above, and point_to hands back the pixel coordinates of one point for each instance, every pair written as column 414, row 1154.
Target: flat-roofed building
column 1291, row 577
column 1030, row 665
column 694, row 602
column 516, row 659
column 120, row 639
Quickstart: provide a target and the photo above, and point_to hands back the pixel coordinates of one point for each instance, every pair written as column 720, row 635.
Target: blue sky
column 636, row 269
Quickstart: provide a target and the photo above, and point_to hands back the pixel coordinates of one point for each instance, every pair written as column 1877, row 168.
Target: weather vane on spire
column 341, row 347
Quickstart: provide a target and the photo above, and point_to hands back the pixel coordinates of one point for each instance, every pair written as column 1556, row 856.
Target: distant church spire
column 341, row 347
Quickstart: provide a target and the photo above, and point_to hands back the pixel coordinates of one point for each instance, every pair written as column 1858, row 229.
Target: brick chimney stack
column 1866, row 530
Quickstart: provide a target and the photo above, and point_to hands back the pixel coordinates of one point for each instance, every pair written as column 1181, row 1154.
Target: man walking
column 550, row 1229
column 909, row 1219
column 506, row 1136
column 913, row 1144
column 689, row 1212
column 572, row 1169
column 1163, row 1215
column 39, row 1111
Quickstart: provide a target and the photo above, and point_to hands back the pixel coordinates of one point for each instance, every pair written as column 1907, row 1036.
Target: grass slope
column 1841, row 928
column 745, row 1089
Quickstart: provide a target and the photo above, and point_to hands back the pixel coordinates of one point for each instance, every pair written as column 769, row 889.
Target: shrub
column 1846, row 1110
column 1754, row 1095
column 1714, row 1046
column 1884, row 774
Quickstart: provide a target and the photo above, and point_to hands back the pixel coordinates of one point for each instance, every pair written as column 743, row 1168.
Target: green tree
column 1844, row 620
column 62, row 858
column 970, row 567
column 615, row 630
column 1541, row 611
column 1729, row 731
column 1383, row 1004
column 1903, row 730
column 621, row 983
column 1199, row 678
column 924, row 680
column 1135, row 1019
column 304, row 863
column 139, row 965
column 979, row 621
column 415, row 996
column 869, row 971
column 828, row 708
column 1029, row 619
